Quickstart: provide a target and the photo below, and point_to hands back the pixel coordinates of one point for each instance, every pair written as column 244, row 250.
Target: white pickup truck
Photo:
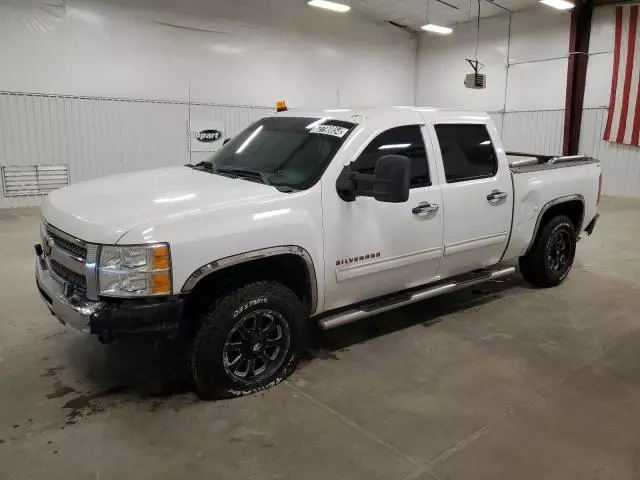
column 325, row 217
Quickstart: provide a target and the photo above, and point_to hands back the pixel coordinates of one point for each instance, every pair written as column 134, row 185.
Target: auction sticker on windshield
column 333, row 130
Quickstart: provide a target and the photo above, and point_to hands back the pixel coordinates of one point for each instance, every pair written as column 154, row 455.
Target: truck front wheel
column 248, row 340
column 550, row 259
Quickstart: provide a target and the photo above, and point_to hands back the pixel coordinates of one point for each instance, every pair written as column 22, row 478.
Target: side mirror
column 389, row 183
column 226, row 140
column 392, row 178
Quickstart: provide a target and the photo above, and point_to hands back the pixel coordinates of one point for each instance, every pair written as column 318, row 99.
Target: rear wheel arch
column 572, row 206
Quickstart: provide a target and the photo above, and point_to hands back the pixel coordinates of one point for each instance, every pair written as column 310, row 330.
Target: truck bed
column 537, row 185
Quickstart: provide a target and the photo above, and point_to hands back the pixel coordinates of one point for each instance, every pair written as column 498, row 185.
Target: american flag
column 623, row 123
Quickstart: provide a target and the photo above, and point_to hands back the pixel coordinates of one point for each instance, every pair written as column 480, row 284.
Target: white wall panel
column 600, row 67
column 537, row 85
column 603, row 26
column 442, row 66
column 497, row 119
column 534, row 131
column 598, row 84
column 97, row 137
column 538, row 34
column 620, row 163
column 537, row 49
column 227, row 52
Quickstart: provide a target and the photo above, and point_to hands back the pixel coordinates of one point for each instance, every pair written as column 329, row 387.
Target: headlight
column 135, row 271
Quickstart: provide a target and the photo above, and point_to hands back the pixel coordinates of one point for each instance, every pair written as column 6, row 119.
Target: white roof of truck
column 396, row 114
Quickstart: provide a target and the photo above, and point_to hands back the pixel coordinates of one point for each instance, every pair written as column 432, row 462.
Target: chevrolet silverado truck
column 307, row 219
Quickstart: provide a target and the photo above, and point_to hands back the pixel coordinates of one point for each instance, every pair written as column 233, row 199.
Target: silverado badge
column 358, row 259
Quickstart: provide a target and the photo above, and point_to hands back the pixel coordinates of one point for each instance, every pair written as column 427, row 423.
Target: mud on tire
column 248, row 340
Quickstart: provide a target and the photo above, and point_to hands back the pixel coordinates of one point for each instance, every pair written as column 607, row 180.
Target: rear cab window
column 467, row 152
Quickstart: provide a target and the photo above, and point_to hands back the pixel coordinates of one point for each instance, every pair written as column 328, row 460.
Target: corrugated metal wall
column 620, row 163
column 497, row 119
column 98, row 136
column 539, row 131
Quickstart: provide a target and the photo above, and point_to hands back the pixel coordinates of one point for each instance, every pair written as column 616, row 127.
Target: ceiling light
column 430, row 27
column 559, row 4
column 334, row 6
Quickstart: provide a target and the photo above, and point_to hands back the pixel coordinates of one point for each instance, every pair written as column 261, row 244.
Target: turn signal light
column 161, row 283
column 160, row 257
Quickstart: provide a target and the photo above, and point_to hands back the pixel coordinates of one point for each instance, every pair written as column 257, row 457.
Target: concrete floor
column 498, row 382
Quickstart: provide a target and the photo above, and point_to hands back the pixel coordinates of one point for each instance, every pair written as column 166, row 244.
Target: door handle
column 425, row 208
column 496, row 195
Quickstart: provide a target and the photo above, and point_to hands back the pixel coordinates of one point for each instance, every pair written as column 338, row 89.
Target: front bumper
column 71, row 308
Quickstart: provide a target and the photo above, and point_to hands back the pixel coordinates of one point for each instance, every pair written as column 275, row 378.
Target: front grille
column 66, row 245
column 68, row 275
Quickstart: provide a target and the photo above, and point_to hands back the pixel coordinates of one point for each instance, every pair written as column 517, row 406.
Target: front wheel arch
column 291, row 266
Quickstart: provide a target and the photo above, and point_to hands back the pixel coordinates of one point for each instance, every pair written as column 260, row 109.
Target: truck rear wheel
column 550, row 259
column 248, row 340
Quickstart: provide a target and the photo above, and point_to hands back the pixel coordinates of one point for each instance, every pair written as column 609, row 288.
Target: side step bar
column 367, row 310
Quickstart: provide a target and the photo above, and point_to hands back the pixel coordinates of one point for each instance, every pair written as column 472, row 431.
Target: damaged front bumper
column 106, row 318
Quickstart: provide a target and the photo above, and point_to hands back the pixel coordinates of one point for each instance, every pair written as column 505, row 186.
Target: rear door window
column 467, row 152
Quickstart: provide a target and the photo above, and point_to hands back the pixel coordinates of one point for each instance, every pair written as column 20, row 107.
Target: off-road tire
column 208, row 368
column 535, row 265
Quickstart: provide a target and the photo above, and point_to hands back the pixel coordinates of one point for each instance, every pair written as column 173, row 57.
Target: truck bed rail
column 534, row 161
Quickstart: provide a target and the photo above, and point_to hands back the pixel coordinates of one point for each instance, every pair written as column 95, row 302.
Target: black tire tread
column 533, row 264
column 213, row 322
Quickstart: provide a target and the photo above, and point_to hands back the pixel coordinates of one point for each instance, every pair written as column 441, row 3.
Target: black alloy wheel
column 551, row 256
column 248, row 338
column 256, row 346
column 559, row 251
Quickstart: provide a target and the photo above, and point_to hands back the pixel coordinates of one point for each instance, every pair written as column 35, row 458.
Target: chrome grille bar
column 70, row 259
column 66, row 242
column 67, row 275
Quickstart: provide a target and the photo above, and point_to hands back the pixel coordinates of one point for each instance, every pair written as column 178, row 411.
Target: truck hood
column 103, row 210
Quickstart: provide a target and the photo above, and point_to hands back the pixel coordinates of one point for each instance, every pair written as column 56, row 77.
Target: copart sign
column 206, row 135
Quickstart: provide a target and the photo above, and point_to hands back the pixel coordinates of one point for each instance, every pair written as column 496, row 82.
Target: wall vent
column 27, row 180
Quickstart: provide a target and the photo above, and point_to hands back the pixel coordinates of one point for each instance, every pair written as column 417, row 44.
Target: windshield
column 289, row 152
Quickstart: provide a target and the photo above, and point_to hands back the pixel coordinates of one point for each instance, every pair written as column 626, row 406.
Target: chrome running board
column 451, row 285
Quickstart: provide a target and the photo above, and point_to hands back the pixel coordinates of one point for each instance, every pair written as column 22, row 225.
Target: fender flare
column 226, row 262
column 553, row 203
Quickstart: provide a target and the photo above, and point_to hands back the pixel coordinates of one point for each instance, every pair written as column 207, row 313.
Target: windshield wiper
column 246, row 173
column 254, row 175
column 206, row 165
